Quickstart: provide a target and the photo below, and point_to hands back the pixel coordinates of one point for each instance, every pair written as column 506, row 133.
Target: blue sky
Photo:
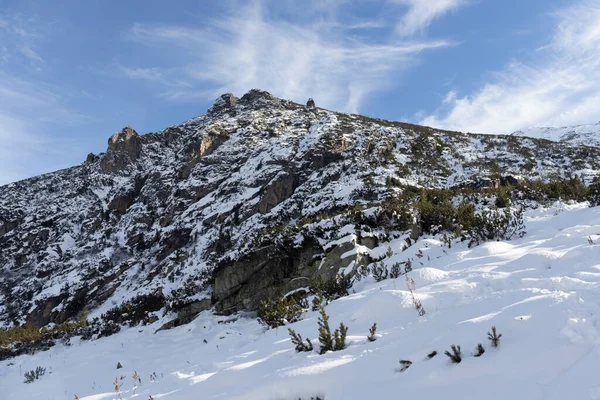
column 73, row 72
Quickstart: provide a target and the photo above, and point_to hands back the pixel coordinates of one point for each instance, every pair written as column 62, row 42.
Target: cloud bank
column 561, row 86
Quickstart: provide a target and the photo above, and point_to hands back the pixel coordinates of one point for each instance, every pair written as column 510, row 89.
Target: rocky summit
column 250, row 200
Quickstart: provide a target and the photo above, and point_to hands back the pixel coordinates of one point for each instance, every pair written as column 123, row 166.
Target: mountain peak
column 588, row 135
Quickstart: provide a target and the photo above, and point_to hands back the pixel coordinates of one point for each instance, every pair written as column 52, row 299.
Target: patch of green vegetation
column 138, row 309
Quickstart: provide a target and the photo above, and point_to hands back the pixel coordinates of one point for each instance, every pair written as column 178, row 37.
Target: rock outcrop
column 123, row 150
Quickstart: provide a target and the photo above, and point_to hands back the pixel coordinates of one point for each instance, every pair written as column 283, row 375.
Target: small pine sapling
column 325, row 339
column 34, row 374
column 408, row 266
column 372, row 331
column 494, row 337
column 479, row 350
column 340, row 337
column 317, row 302
column 380, row 272
column 389, row 252
column 456, row 355
column 395, row 271
column 299, row 343
column 119, row 366
column 432, row 354
column 404, row 364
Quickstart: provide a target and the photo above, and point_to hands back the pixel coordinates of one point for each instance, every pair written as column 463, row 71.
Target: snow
column 541, row 292
column 588, row 135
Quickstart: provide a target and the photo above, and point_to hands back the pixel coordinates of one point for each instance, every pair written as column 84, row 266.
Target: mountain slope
column 588, row 135
column 541, row 291
column 223, row 210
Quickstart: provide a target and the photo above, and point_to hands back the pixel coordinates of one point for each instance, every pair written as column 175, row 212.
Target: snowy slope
column 541, row 291
column 588, row 135
column 163, row 210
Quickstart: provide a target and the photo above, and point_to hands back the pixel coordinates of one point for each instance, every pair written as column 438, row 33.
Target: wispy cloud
column 246, row 49
column 149, row 74
column 421, row 13
column 561, row 86
column 18, row 37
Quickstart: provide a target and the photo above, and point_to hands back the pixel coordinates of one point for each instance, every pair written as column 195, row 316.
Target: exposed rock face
column 187, row 313
column 6, row 226
column 123, row 149
column 279, row 189
column 257, row 190
column 223, row 103
column 91, row 158
column 265, row 274
column 211, row 140
column 44, row 313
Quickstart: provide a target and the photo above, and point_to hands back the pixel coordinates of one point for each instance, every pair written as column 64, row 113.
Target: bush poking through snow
column 317, row 302
column 31, row 335
column 494, row 337
column 593, row 195
column 339, row 337
column 432, row 354
column 326, row 340
column 299, row 342
column 410, row 284
column 372, row 331
column 497, row 224
column 404, row 364
column 333, row 288
column 136, row 310
column 380, row 272
column 479, row 350
column 276, row 313
column 34, row 374
column 395, row 271
column 456, row 355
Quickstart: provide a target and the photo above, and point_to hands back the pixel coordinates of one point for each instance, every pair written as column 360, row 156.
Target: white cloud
column 30, row 54
column 560, row 87
column 18, row 37
column 150, row 74
column 247, row 49
column 421, row 13
column 450, row 97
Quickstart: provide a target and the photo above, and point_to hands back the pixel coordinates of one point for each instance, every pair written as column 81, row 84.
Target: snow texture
column 542, row 292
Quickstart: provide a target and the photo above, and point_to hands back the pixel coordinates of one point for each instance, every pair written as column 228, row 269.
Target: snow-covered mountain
column 261, row 197
column 588, row 135
column 224, row 209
